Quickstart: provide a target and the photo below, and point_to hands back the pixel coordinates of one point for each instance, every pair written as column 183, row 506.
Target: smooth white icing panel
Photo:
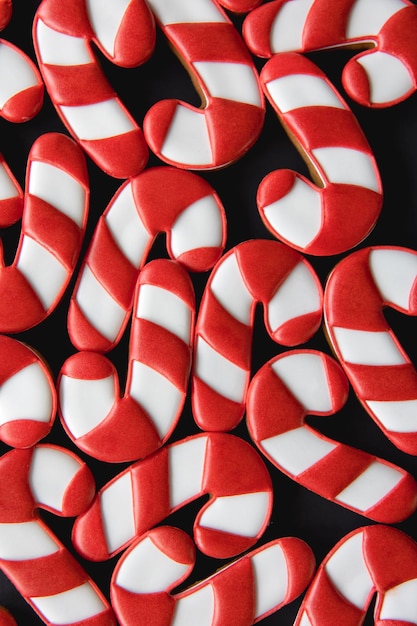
column 388, row 77
column 367, row 348
column 394, row 273
column 230, row 290
column 186, row 470
column 397, row 416
column 97, row 121
column 271, row 579
column 70, row 606
column 105, row 17
column 400, row 602
column 198, row 226
column 305, row 376
column 302, row 90
column 370, row 486
column 287, row 29
column 367, row 17
column 117, row 507
column 51, row 472
column 197, row 608
column 187, row 140
column 26, row 395
column 348, row 167
column 16, row 74
column 225, row 377
column 25, row 540
column 56, row 48
column 232, row 81
column 240, row 515
column 178, row 11
column 164, row 308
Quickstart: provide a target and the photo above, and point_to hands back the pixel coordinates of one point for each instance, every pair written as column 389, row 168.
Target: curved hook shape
column 305, row 382
column 256, row 271
column 160, row 200
column 223, row 466
column 116, row 429
column 385, row 73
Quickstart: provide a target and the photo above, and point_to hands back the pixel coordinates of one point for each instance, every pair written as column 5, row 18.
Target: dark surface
column 392, row 133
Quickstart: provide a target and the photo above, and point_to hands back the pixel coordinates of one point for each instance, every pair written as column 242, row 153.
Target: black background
column 392, row 134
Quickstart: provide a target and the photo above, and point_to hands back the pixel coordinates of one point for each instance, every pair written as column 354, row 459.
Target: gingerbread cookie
column 160, row 200
column 305, row 382
column 117, row 429
column 254, row 271
column 384, row 74
column 341, row 207
column 381, row 373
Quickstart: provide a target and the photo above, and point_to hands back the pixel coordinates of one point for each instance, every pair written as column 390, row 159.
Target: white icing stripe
column 305, row 620
column 97, row 305
column 8, row 188
column 367, row 17
column 97, row 121
column 348, row 572
column 297, row 216
column 297, row 450
column 16, row 74
column 370, row 487
column 389, row 78
column 297, row 295
column 232, row 81
column 197, row 608
column 157, row 395
column 59, row 189
column 183, row 11
column 51, row 472
column 127, row 228
column 305, row 376
column 348, row 167
column 188, row 139
column 287, row 29
column 105, row 17
column 146, row 569
column 26, row 396
column 394, row 273
column 70, row 606
column 42, row 270
column 400, row 602
column 85, row 403
column 364, row 347
column 25, row 540
column 219, row 373
column 166, row 309
column 197, row 226
column 397, row 416
column 230, row 290
column 55, row 48
column 242, row 515
column 186, row 470
column 270, row 590
column 117, row 508
column 302, row 90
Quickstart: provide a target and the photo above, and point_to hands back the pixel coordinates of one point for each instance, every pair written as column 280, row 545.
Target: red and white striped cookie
column 305, row 382
column 380, row 371
column 117, row 429
column 21, row 98
column 339, row 209
column 384, row 74
column 160, row 200
column 373, row 559
column 87, row 104
column 222, row 466
column 53, row 226
column 224, row 73
column 41, row 568
column 241, row 593
column 27, row 395
column 256, row 271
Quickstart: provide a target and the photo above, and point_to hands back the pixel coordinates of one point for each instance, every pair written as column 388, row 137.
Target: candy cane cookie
column 53, row 225
column 371, row 560
column 305, row 382
column 87, row 104
column 221, row 465
column 340, row 208
column 384, row 74
column 27, row 395
column 223, row 71
column 380, row 371
column 117, row 429
column 159, row 200
column 41, row 568
column 263, row 581
column 256, row 271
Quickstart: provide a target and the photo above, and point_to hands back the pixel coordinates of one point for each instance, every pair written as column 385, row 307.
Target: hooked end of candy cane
column 88, row 534
column 24, row 105
column 301, row 566
column 24, row 433
column 135, row 39
column 213, row 411
column 377, row 79
column 398, row 504
column 257, row 27
column 79, row 493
